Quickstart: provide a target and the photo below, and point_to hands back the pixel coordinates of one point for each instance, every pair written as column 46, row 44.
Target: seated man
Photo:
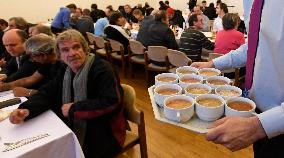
column 86, row 91
column 192, row 41
column 197, row 10
column 159, row 32
column 40, row 48
column 145, row 22
column 175, row 17
column 19, row 65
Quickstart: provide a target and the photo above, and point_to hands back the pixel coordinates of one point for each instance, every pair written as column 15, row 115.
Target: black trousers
column 269, row 148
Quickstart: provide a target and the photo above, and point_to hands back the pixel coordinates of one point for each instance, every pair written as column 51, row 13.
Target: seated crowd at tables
column 53, row 65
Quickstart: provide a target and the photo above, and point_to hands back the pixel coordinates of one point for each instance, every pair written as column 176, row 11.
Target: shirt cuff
column 272, row 121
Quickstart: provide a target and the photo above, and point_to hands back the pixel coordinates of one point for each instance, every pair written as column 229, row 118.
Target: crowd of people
column 54, row 67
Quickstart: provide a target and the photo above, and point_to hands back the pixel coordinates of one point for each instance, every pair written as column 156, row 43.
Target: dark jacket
column 97, row 14
column 102, row 110
column 114, row 34
column 27, row 68
column 143, row 34
column 210, row 12
column 161, row 35
column 177, row 19
column 85, row 24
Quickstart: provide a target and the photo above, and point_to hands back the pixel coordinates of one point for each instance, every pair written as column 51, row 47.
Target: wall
column 39, row 11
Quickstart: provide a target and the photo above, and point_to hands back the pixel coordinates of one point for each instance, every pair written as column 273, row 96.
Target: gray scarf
column 79, row 86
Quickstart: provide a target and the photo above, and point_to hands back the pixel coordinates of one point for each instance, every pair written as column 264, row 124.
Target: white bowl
column 191, row 70
column 207, row 113
column 227, row 88
column 179, row 114
column 197, row 85
column 233, row 112
column 189, row 76
column 213, row 70
column 159, row 98
column 221, row 78
column 164, row 75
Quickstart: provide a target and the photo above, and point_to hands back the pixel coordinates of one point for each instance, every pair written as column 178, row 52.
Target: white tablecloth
column 61, row 142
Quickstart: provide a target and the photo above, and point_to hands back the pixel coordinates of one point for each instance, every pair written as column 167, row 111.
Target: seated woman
column 229, row 38
column 115, row 30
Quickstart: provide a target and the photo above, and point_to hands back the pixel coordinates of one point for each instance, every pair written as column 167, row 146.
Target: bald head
column 13, row 41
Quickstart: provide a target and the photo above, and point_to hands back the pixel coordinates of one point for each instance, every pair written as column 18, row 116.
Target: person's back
column 210, row 12
column 85, row 24
column 160, row 33
column 229, row 38
column 143, row 34
column 61, row 20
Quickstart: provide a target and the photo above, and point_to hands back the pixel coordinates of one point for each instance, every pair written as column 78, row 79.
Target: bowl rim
column 183, row 96
column 210, row 96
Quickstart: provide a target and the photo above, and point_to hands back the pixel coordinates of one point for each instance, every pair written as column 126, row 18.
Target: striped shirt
column 192, row 42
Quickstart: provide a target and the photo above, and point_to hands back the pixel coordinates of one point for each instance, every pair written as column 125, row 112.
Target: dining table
column 45, row 136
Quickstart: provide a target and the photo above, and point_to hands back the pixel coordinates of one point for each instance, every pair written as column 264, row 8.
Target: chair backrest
column 90, row 37
column 99, row 41
column 136, row 47
column 157, row 53
column 132, row 113
column 115, row 45
column 178, row 58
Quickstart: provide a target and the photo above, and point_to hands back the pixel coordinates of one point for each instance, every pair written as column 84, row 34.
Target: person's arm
column 46, row 98
column 66, row 19
column 171, row 40
column 233, row 59
column 26, row 69
column 23, row 82
column 271, row 121
column 206, row 43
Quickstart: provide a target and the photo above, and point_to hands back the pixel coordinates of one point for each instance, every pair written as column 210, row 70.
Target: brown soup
column 209, row 73
column 166, row 79
column 179, row 104
column 197, row 90
column 167, row 91
column 240, row 106
column 209, row 102
column 228, row 93
column 217, row 82
column 190, row 80
column 186, row 71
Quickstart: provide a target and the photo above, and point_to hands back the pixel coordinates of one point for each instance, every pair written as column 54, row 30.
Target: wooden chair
column 156, row 54
column 117, row 52
column 136, row 54
column 99, row 44
column 237, row 79
column 137, row 117
column 177, row 59
column 90, row 37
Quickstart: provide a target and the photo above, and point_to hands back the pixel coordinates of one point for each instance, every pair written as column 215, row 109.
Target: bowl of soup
column 239, row 106
column 186, row 70
column 166, row 78
column 209, row 72
column 228, row 91
column 217, row 81
column 188, row 79
column 209, row 107
column 179, row 108
column 197, row 89
column 161, row 92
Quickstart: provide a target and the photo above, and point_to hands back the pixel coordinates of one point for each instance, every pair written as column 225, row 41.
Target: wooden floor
column 167, row 141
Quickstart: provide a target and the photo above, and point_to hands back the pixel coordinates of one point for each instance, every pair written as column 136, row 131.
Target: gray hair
column 40, row 44
column 69, row 35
